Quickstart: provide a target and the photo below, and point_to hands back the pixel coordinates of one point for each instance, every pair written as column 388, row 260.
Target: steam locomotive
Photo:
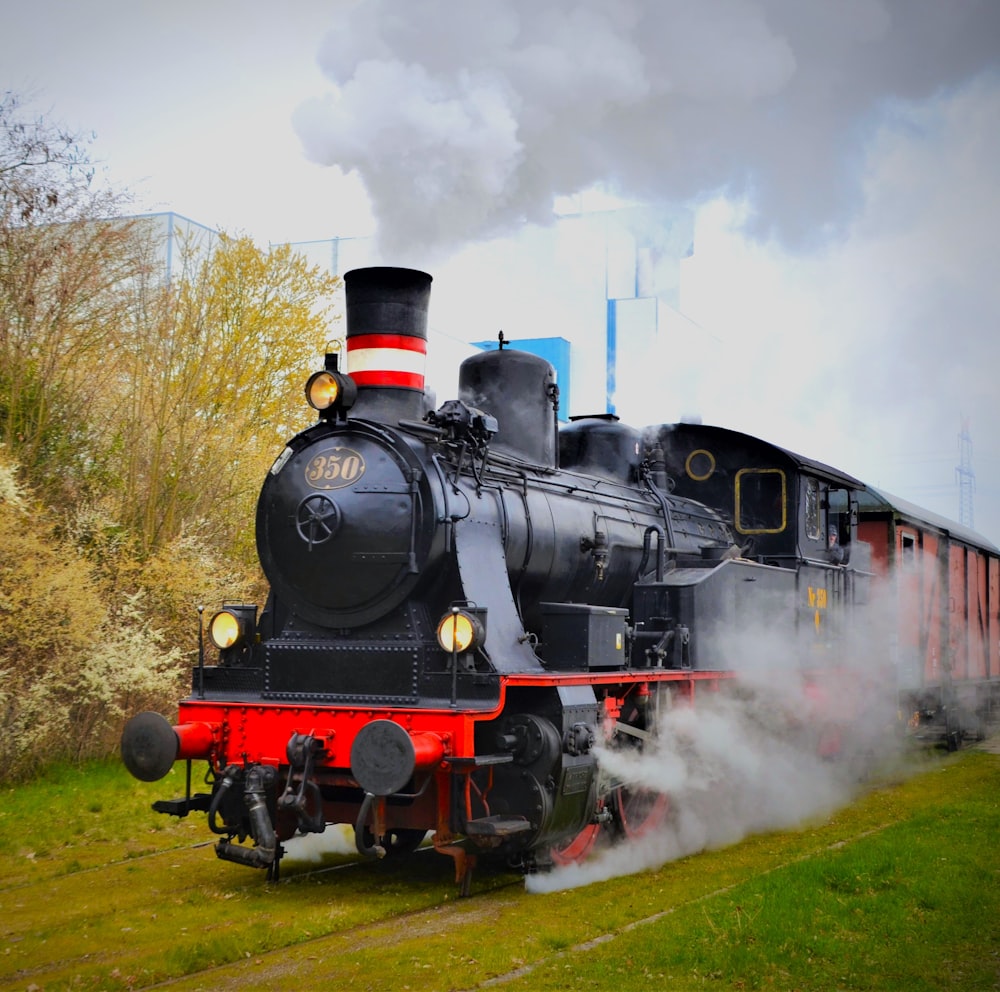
column 465, row 601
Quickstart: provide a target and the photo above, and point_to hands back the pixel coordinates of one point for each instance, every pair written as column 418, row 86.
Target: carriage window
column 760, row 501
column 813, row 524
column 838, row 515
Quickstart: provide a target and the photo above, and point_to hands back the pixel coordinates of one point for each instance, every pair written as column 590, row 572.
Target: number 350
column 335, row 468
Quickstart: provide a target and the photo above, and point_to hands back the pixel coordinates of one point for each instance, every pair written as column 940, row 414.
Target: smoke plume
column 465, row 120
column 766, row 752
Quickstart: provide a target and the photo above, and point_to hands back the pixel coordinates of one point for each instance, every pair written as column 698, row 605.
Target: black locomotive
column 465, row 600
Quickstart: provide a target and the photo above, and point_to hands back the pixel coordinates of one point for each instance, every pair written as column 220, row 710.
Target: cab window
column 839, row 515
column 760, row 501
column 814, row 522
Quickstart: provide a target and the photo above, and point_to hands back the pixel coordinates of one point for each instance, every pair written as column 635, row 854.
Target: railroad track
column 172, row 918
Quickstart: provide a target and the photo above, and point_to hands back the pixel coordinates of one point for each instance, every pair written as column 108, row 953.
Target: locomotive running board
column 483, row 569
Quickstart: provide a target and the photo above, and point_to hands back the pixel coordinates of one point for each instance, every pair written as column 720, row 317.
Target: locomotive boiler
column 464, row 600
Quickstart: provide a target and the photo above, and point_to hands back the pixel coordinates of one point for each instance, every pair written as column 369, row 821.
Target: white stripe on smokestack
column 387, row 360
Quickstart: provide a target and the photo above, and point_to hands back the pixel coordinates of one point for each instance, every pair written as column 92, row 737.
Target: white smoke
column 862, row 131
column 466, row 120
column 765, row 752
column 724, row 777
column 336, row 840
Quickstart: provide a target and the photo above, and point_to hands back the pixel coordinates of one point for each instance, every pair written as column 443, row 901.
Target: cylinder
column 150, row 745
column 194, row 740
column 428, row 750
column 603, row 446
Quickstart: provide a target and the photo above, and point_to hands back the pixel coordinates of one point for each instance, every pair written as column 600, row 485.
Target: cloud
column 464, row 121
column 869, row 351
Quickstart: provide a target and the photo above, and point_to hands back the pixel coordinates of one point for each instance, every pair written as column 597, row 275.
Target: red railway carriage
column 942, row 585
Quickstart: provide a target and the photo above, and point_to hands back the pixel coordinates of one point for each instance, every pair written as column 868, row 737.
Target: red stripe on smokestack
column 404, row 341
column 402, row 380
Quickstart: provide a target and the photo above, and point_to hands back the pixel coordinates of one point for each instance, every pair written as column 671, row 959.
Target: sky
column 841, row 162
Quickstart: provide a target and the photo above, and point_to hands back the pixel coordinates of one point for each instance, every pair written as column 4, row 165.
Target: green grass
column 71, row 818
column 899, row 891
column 914, row 904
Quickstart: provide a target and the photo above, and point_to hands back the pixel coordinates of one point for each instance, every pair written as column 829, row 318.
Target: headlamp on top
column 330, row 391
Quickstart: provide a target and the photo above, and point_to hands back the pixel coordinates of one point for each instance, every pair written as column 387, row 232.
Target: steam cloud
column 466, row 120
column 753, row 757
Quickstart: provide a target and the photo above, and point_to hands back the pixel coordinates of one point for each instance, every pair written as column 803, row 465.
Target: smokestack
column 387, row 340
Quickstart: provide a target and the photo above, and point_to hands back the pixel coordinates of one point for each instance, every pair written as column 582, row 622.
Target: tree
column 160, row 397
column 213, row 376
column 65, row 280
column 45, row 170
column 72, row 666
column 140, row 408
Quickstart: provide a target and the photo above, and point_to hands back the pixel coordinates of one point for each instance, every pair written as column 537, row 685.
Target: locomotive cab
column 795, row 515
column 782, row 506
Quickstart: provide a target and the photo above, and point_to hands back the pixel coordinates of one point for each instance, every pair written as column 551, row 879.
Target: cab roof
column 733, row 438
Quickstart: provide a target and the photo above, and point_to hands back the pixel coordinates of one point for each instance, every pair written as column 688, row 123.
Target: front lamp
column 460, row 630
column 328, row 391
column 233, row 626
